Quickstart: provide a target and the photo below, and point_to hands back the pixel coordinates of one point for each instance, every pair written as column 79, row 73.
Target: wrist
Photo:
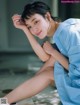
column 26, row 31
column 52, row 52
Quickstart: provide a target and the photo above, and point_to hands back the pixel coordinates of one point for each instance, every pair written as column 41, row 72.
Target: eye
column 36, row 22
column 29, row 27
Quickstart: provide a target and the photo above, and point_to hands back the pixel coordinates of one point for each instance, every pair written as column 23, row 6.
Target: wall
column 3, row 26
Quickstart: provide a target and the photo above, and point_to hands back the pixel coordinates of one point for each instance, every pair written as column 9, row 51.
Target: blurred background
column 17, row 59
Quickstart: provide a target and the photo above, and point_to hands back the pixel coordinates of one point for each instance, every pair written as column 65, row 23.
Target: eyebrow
column 31, row 21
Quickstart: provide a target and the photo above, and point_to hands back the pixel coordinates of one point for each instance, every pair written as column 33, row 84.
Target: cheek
column 32, row 32
column 45, row 27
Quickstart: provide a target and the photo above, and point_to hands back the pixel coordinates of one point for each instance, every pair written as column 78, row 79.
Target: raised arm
column 35, row 45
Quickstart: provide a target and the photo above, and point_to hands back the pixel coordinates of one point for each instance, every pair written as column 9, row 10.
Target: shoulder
column 71, row 21
column 67, row 30
column 65, row 25
column 71, row 33
column 70, row 26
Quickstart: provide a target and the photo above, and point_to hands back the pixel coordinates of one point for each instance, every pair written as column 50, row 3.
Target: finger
column 17, row 17
column 14, row 19
column 44, row 45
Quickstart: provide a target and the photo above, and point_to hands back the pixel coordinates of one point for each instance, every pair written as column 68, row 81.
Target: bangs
column 27, row 14
column 33, row 8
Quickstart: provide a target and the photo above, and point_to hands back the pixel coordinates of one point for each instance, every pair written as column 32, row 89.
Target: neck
column 53, row 27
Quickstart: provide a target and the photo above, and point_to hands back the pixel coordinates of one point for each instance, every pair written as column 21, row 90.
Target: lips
column 38, row 33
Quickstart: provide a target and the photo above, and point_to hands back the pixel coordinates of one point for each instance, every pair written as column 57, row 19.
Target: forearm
column 60, row 58
column 37, row 47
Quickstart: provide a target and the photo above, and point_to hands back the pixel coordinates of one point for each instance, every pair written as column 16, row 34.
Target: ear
column 48, row 16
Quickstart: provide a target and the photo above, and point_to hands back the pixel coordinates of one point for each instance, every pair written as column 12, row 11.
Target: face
column 38, row 25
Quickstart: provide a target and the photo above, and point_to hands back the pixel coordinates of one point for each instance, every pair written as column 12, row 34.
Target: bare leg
column 49, row 63
column 32, row 86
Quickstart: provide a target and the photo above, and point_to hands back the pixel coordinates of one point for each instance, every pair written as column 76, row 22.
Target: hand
column 48, row 48
column 17, row 22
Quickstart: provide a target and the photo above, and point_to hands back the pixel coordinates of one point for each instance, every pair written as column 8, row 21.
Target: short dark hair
column 35, row 7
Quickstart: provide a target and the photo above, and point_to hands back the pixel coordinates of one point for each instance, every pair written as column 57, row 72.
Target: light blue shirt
column 67, row 39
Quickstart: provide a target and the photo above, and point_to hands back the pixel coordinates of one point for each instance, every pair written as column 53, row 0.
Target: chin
column 43, row 37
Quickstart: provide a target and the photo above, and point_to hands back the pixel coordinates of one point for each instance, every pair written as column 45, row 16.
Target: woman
column 36, row 20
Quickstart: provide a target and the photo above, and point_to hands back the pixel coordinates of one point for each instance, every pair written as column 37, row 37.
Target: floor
column 11, row 78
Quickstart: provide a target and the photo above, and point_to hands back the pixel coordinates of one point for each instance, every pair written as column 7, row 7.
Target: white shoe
column 3, row 101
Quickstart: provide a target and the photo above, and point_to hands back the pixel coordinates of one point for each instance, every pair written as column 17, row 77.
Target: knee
column 49, row 73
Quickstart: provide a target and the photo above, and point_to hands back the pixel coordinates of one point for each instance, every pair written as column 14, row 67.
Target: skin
column 40, row 27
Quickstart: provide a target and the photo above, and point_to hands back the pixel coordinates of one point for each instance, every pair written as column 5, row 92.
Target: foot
column 4, row 101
